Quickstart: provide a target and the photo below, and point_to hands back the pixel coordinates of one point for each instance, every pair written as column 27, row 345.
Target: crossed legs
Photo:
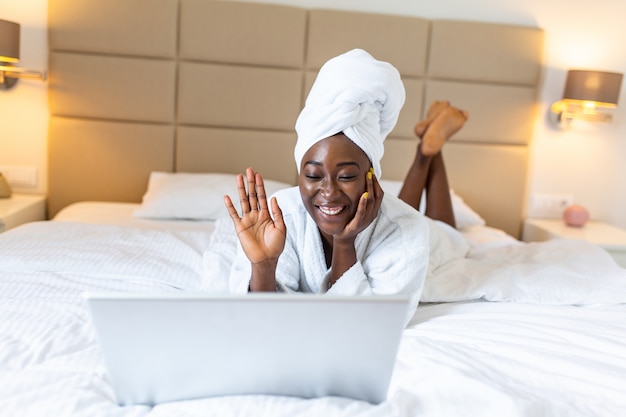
column 428, row 172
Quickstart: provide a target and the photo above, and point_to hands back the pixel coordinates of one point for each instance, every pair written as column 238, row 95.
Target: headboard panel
column 249, row 34
column 404, row 41
column 202, row 149
column 211, row 85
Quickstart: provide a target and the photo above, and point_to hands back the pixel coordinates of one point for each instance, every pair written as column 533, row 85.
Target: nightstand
column 610, row 238
column 21, row 208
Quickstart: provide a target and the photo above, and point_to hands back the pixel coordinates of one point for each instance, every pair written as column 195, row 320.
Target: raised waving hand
column 262, row 235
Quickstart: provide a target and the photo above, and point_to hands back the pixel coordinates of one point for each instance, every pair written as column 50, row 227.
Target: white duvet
column 550, row 342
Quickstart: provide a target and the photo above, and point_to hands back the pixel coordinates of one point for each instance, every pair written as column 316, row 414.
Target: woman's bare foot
column 444, row 125
column 433, row 111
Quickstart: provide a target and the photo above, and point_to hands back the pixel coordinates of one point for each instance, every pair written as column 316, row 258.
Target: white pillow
column 192, row 196
column 463, row 214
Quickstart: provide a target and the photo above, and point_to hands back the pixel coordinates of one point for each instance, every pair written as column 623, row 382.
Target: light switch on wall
column 549, row 205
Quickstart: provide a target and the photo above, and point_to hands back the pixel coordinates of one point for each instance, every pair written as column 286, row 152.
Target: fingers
column 277, row 214
column 373, row 186
column 232, row 211
column 260, row 189
column 361, row 211
column 244, row 202
column 253, row 202
column 251, row 191
column 378, row 190
column 370, row 200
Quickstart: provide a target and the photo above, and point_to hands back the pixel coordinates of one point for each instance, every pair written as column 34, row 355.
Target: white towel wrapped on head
column 355, row 94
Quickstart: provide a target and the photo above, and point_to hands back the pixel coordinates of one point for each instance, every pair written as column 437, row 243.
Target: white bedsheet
column 470, row 358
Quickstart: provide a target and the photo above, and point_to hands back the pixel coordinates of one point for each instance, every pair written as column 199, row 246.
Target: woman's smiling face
column 332, row 180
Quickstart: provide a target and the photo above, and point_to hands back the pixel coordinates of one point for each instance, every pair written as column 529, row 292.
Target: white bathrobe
column 392, row 254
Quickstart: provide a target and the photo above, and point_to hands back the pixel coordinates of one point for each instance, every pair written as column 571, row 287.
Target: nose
column 328, row 189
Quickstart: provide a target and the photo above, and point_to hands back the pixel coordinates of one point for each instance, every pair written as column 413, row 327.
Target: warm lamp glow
column 587, row 96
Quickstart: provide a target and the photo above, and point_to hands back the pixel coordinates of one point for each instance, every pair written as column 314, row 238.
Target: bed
column 512, row 329
column 156, row 104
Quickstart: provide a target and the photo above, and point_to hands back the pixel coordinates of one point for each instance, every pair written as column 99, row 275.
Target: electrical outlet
column 550, row 205
column 20, row 176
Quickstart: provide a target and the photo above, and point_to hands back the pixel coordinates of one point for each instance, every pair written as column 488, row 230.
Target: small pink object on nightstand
column 575, row 215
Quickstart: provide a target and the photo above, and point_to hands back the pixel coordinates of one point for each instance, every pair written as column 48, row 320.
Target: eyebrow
column 340, row 164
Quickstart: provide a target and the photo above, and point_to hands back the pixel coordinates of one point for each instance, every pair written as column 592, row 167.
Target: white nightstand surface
column 21, row 208
column 611, row 238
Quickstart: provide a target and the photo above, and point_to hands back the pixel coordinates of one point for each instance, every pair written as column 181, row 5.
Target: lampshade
column 10, row 54
column 600, row 87
column 589, row 96
column 9, row 41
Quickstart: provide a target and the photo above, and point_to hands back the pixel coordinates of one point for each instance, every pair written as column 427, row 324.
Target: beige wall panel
column 138, row 27
column 413, row 109
column 491, row 179
column 485, row 52
column 104, row 161
column 400, row 40
column 246, row 33
column 399, row 153
column 497, row 113
column 232, row 151
column 112, row 87
column 221, row 95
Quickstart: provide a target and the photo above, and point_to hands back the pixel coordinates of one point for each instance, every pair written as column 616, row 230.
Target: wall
column 24, row 108
column 587, row 161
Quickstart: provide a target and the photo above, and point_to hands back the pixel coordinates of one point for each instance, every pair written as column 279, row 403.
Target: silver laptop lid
column 176, row 346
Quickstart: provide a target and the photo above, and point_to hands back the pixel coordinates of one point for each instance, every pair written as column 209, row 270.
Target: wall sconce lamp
column 588, row 95
column 10, row 54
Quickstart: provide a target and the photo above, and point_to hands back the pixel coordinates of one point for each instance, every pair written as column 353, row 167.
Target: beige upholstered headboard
column 215, row 86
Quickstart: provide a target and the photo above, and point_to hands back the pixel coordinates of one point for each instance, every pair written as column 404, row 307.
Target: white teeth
column 331, row 211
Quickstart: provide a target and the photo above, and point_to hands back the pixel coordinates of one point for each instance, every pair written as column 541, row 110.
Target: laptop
column 178, row 346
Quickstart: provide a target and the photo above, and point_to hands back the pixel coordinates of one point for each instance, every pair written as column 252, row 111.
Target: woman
column 337, row 232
